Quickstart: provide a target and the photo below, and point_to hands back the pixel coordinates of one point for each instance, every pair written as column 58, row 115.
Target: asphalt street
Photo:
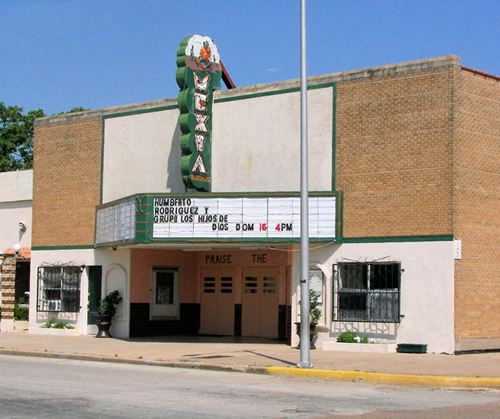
column 57, row 388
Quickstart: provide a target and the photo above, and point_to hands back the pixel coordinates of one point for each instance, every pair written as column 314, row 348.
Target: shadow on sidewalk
column 271, row 357
column 203, row 339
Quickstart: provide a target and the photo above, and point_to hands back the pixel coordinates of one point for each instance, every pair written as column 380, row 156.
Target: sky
column 59, row 54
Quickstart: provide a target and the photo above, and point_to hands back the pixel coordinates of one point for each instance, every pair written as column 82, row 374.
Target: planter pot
column 312, row 334
column 103, row 323
column 412, row 348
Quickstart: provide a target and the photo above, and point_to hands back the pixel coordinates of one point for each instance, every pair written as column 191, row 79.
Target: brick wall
column 66, row 182
column 8, row 287
column 477, row 206
column 394, row 153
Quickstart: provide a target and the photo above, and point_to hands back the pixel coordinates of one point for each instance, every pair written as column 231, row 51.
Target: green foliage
column 347, row 337
column 16, row 137
column 314, row 310
column 351, row 337
column 20, row 313
column 52, row 324
column 107, row 306
column 73, row 110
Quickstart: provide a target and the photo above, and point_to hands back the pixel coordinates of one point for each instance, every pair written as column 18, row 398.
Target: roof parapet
column 379, row 71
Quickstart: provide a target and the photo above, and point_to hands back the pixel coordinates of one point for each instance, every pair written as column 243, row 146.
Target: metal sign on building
column 198, row 74
column 265, row 217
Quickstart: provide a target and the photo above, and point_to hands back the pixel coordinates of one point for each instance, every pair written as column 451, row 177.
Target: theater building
column 190, row 208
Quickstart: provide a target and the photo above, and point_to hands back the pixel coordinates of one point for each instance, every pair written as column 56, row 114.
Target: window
column 59, row 288
column 367, row 292
column 164, row 287
column 164, row 301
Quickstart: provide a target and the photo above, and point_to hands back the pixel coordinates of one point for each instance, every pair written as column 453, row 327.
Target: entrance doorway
column 22, row 282
column 260, row 307
column 95, row 281
column 217, row 302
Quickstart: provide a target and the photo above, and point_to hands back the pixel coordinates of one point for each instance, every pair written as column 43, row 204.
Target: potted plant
column 314, row 316
column 105, row 312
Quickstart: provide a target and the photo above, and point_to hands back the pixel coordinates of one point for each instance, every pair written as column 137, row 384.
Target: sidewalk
column 231, row 354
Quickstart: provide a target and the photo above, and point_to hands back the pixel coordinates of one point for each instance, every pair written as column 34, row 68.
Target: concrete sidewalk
column 232, row 354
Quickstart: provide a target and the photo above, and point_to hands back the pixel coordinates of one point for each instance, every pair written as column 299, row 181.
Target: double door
column 257, row 290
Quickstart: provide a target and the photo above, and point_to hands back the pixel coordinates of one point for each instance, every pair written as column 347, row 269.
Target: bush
column 20, row 313
column 347, row 337
column 52, row 324
column 351, row 337
column 107, row 306
column 314, row 309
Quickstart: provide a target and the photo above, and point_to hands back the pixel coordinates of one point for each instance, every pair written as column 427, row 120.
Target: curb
column 385, row 378
column 116, row 360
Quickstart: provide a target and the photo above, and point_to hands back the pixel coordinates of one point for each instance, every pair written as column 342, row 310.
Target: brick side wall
column 394, row 153
column 477, row 207
column 66, row 183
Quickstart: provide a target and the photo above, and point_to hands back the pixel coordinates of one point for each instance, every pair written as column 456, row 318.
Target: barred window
column 59, row 288
column 367, row 292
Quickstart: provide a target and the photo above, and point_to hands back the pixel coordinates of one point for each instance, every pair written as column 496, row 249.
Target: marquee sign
column 198, row 74
column 255, row 217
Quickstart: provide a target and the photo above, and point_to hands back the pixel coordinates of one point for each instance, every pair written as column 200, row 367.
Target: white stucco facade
column 115, row 276
column 427, row 292
column 16, row 192
column 255, row 147
column 256, row 143
column 146, row 144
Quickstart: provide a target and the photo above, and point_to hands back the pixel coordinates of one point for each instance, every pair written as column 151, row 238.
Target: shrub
column 351, row 337
column 51, row 324
column 20, row 313
column 314, row 310
column 347, row 337
column 107, row 306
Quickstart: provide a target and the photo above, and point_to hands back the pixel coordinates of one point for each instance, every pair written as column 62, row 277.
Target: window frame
column 69, row 300
column 369, row 276
column 164, row 311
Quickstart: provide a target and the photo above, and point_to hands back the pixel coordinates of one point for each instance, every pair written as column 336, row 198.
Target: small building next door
column 217, row 302
column 260, row 306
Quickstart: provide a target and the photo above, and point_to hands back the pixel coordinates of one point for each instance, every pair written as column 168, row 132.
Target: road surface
column 58, row 388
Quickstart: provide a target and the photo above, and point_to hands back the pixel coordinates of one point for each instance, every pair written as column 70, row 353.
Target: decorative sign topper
column 260, row 217
column 198, row 74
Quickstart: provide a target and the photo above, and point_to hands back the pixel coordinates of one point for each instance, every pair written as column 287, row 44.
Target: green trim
column 271, row 93
column 390, row 239
column 206, row 240
column 334, row 136
column 339, row 213
column 220, row 100
column 115, row 243
column 69, row 247
column 139, row 111
column 231, row 194
column 143, row 219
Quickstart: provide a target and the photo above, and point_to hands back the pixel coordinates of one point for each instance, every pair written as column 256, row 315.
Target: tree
column 73, row 110
column 16, row 137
